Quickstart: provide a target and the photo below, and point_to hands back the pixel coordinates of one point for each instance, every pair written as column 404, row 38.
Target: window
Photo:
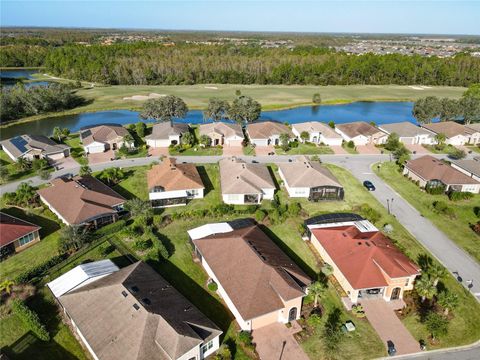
column 407, row 281
column 26, row 239
column 192, row 192
column 207, row 346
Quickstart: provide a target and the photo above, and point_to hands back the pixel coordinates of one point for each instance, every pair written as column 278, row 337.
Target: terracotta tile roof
column 304, row 173
column 40, row 144
column 448, row 128
column 358, row 128
column 221, row 128
column 172, row 176
column 266, row 129
column 404, row 129
column 252, row 269
column 163, row 130
column 79, row 199
column 13, row 228
column 316, row 126
column 238, row 177
column 430, row 168
column 102, row 133
column 362, row 256
column 165, row 326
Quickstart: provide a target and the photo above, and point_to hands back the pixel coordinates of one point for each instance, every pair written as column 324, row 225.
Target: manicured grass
column 76, row 150
column 197, row 150
column 348, row 149
column 457, row 228
column 249, row 150
column 474, row 148
column 14, row 173
column 448, row 149
column 305, row 149
column 134, row 184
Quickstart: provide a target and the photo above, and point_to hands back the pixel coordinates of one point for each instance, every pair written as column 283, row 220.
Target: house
column 33, row 147
column 473, row 133
column 318, row 133
column 409, row 133
column 221, row 133
column 103, row 137
column 361, row 133
column 306, row 179
column 455, row 133
column 172, row 184
column 244, row 183
column 267, row 133
column 432, row 172
column 365, row 262
column 82, row 200
column 468, row 167
column 16, row 234
column 259, row 283
column 165, row 134
column 132, row 313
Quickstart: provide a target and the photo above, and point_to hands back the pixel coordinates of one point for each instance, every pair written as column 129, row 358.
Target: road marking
column 367, row 173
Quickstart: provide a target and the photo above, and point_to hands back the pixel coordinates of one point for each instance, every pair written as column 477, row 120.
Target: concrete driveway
column 276, row 342
column 100, row 158
column 368, row 149
column 389, row 327
column 65, row 163
column 419, row 149
column 263, row 150
column 338, row 150
column 157, row 152
column 232, row 150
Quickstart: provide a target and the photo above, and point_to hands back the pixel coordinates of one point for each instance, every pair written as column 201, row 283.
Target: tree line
column 155, row 64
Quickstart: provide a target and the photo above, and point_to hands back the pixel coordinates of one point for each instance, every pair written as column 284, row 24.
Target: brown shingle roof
column 172, row 176
column 165, row 326
column 224, row 129
column 404, row 129
column 303, row 173
column 266, row 129
column 79, row 199
column 253, row 271
column 238, row 177
column 429, row 168
column 13, row 228
column 358, row 128
column 316, row 126
column 102, row 133
column 448, row 128
column 163, row 130
column 472, row 166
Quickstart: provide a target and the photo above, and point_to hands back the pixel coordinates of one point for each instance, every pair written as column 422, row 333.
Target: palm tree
column 448, row 301
column 25, row 194
column 425, row 288
column 7, row 286
column 440, row 139
column 4, row 174
column 317, row 289
column 138, row 207
column 22, row 164
column 128, row 140
column 436, row 272
column 72, row 238
column 112, row 175
column 85, row 170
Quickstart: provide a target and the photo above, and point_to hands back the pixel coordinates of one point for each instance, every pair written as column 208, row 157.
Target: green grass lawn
column 76, row 150
column 196, row 150
column 14, row 173
column 474, row 148
column 305, row 149
column 249, row 150
column 348, row 149
column 457, row 228
column 448, row 149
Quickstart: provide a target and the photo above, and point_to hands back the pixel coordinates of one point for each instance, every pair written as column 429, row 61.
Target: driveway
column 65, row 163
column 339, row 150
column 419, row 149
column 100, row 158
column 263, row 150
column 389, row 327
column 368, row 149
column 232, row 150
column 157, row 152
column 276, row 342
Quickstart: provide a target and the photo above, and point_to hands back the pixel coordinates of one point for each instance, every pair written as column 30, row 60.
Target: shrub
column 142, row 244
column 111, row 228
column 294, row 144
column 369, row 213
column 294, row 209
column 107, row 250
column 30, row 319
column 260, row 215
column 476, row 211
column 212, row 286
column 223, row 353
column 331, row 124
column 351, row 144
column 436, row 324
column 433, row 189
column 458, row 195
column 441, row 207
column 245, row 337
column 476, row 228
column 314, row 320
column 39, row 270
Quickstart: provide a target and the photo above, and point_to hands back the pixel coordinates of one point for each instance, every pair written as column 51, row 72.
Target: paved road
column 469, row 352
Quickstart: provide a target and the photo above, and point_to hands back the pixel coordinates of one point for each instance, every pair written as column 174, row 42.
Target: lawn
column 457, row 228
column 197, row 150
column 305, row 149
column 448, row 149
column 349, row 149
column 474, row 148
column 14, row 173
column 249, row 150
column 76, row 150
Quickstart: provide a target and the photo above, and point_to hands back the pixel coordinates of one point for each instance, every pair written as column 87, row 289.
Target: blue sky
column 432, row 17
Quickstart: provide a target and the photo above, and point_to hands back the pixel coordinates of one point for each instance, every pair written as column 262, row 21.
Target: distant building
column 17, row 234
column 473, row 133
column 409, row 133
column 104, row 137
column 267, row 133
column 33, row 147
column 222, row 133
column 468, row 167
column 455, row 133
column 318, row 133
column 165, row 134
column 361, row 133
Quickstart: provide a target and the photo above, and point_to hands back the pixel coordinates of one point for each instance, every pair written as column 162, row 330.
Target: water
column 379, row 112
column 6, row 77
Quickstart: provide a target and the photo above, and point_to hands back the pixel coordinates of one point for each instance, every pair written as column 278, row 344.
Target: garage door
column 407, row 140
column 95, row 149
column 56, row 156
column 234, row 143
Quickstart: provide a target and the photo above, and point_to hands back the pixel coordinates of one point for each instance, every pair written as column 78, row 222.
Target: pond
column 379, row 112
column 9, row 77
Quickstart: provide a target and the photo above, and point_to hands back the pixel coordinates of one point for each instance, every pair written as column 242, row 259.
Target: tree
column 317, row 99
column 457, row 154
column 7, row 285
column 4, row 174
column 72, row 238
column 140, row 128
column 305, row 136
column 440, row 138
column 187, row 139
column 331, row 124
column 85, row 170
column 44, row 174
column 316, row 289
column 164, row 109
column 25, row 194
column 425, row 288
column 112, row 175
column 331, row 332
column 138, row 207
column 436, row 272
column 327, row 269
column 205, row 140
column 436, row 324
column 217, row 109
column 128, row 140
column 473, row 91
column 393, row 142
column 60, row 133
column 450, row 109
column 284, row 141
column 401, row 154
column 39, row 164
column 426, row 109
column 470, row 109
column 22, row 164
column 244, row 109
column 448, row 301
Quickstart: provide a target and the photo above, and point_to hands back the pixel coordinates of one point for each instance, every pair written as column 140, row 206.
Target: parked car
column 369, row 185
column 271, row 153
column 391, row 348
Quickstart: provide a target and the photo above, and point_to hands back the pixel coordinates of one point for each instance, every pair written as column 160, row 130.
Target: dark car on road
column 391, row 348
column 369, row 185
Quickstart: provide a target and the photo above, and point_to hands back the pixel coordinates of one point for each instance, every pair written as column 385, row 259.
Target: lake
column 7, row 77
column 379, row 112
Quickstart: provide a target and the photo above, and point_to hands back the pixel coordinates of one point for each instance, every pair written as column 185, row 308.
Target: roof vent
column 124, row 293
column 136, row 307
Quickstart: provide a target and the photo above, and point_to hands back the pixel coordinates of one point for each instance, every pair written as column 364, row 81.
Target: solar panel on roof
column 333, row 218
column 86, row 133
column 19, row 143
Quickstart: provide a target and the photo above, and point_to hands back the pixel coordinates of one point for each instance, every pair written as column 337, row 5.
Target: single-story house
column 165, row 134
column 17, row 234
column 432, row 172
column 306, row 179
column 409, row 133
column 132, row 313
column 259, row 283
column 468, row 167
column 221, row 133
column 266, row 133
column 455, row 133
column 361, row 133
column 473, row 133
column 365, row 262
column 244, row 183
column 82, row 200
column 33, row 147
column 100, row 138
column 172, row 184
column 319, row 133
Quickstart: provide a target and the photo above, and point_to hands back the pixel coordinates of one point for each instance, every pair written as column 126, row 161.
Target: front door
column 292, row 315
column 395, row 294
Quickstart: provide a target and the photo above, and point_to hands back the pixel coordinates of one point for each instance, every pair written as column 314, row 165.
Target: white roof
column 362, row 225
column 81, row 275
column 209, row 229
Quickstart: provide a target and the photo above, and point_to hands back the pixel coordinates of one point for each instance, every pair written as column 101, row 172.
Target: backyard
column 305, row 149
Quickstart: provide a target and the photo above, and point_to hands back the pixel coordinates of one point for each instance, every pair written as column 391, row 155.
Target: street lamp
column 389, row 205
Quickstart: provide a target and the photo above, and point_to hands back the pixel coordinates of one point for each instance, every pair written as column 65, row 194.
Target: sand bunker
column 423, row 87
column 211, row 87
column 144, row 97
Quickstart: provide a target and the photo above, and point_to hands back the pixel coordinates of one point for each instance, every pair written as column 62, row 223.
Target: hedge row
column 30, row 319
column 39, row 270
column 217, row 210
